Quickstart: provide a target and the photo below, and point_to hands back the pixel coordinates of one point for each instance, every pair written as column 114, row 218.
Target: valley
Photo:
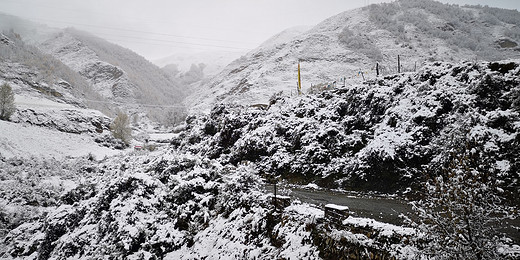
column 409, row 115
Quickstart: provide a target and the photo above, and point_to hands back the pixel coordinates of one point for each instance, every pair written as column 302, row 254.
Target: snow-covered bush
column 156, row 207
column 361, row 43
column 108, row 140
column 30, row 187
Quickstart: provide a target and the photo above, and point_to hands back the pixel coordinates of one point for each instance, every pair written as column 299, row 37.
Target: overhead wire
column 139, row 31
column 112, row 35
column 129, row 103
column 188, row 43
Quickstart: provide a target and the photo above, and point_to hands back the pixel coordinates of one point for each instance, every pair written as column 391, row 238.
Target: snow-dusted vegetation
column 379, row 135
column 203, row 197
column 441, row 139
column 449, row 23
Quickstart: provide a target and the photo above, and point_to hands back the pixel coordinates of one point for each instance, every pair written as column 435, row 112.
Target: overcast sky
column 158, row 28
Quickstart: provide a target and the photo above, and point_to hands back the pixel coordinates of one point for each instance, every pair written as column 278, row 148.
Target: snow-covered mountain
column 112, row 72
column 214, row 61
column 351, row 43
column 64, row 96
column 116, row 72
column 284, row 37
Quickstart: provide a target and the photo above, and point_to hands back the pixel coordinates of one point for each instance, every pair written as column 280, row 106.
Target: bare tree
column 462, row 209
column 7, row 106
column 121, row 128
column 175, row 116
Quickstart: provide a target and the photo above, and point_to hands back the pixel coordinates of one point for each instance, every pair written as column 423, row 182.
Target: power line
column 102, row 14
column 127, row 103
column 111, row 35
column 138, row 31
column 159, row 44
column 188, row 43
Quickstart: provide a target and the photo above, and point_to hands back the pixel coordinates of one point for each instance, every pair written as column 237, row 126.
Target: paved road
column 382, row 209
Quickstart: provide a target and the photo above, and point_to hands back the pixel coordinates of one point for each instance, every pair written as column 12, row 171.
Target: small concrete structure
column 281, row 201
column 260, row 106
column 336, row 213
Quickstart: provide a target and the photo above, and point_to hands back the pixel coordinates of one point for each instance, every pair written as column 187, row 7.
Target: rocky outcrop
column 65, row 120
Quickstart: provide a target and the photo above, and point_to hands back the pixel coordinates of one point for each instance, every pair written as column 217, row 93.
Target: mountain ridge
column 352, row 42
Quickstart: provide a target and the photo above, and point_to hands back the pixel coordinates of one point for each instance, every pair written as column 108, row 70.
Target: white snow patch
column 24, row 141
column 385, row 228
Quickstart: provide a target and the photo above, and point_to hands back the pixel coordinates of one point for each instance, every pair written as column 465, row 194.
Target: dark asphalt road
column 382, row 209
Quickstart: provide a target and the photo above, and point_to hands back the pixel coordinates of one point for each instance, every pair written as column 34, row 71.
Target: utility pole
column 299, row 80
column 377, row 69
column 398, row 64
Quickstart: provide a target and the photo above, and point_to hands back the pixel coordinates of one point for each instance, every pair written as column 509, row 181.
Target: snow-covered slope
column 284, row 37
column 115, row 72
column 352, row 42
column 51, row 117
column 382, row 134
column 108, row 70
column 26, row 141
column 203, row 198
column 44, row 128
column 33, row 73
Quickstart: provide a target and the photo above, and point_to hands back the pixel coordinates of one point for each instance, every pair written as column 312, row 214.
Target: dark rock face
column 506, row 43
column 68, row 121
column 101, row 71
column 502, row 67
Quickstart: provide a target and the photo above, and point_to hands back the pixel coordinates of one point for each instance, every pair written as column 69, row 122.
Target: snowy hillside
column 51, row 119
column 108, row 70
column 352, row 42
column 284, row 37
column 203, row 197
column 33, row 73
column 378, row 135
column 115, row 72
column 26, row 141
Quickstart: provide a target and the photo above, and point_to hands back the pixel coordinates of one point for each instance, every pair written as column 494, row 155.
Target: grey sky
column 158, row 28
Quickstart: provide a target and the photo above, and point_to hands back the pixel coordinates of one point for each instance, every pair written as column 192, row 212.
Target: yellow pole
column 299, row 80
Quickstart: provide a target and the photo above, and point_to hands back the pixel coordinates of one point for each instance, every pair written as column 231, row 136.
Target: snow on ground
column 158, row 137
column 32, row 102
column 25, row 140
column 385, row 228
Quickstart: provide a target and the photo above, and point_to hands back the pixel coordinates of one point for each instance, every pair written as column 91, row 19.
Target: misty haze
column 259, row 129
